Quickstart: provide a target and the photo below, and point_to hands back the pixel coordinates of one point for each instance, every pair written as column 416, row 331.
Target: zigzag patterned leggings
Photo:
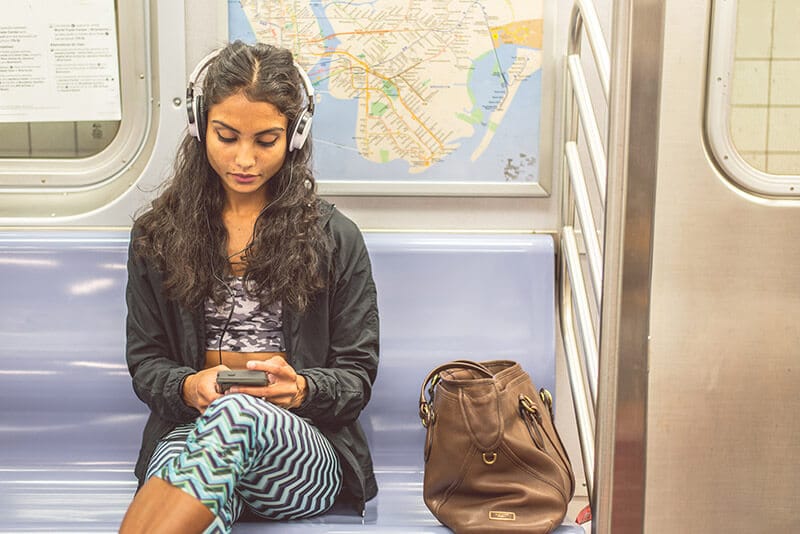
column 244, row 451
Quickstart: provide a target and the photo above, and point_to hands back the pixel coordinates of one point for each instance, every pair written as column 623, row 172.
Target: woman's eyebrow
column 274, row 130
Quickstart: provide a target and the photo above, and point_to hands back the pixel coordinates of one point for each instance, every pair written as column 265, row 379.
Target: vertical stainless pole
column 634, row 110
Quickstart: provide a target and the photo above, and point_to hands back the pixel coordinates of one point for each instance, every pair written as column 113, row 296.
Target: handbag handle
column 426, row 414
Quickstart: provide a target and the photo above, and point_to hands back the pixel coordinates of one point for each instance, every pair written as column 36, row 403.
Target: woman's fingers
column 276, row 366
column 282, row 388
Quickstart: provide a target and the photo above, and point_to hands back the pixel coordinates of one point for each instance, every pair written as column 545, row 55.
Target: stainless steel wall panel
column 723, row 449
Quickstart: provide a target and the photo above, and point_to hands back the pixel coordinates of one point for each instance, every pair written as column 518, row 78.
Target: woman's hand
column 285, row 388
column 200, row 389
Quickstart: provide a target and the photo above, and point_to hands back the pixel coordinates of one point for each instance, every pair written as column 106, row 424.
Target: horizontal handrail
column 589, row 123
column 588, row 228
column 588, row 339
column 584, row 14
column 584, row 409
column 580, row 342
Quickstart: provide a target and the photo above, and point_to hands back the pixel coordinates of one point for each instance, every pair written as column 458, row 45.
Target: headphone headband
column 299, row 129
column 203, row 64
column 308, row 87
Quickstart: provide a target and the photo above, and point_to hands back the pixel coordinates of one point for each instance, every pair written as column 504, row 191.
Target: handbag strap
column 425, row 406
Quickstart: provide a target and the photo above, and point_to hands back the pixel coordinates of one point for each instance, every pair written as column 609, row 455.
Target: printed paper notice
column 58, row 61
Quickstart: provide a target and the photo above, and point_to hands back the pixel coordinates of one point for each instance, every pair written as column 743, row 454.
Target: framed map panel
column 414, row 97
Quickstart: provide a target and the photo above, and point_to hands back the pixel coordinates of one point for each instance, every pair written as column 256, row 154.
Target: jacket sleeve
column 157, row 375
column 338, row 392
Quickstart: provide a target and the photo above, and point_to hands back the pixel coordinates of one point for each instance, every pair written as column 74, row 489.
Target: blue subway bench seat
column 70, row 424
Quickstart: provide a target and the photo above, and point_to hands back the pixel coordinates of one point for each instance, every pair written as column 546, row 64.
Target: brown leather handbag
column 493, row 459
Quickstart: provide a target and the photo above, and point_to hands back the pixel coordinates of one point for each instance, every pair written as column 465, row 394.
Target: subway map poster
column 413, row 90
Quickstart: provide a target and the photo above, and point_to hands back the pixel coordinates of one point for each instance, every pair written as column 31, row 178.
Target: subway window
column 70, row 116
column 57, row 139
column 753, row 119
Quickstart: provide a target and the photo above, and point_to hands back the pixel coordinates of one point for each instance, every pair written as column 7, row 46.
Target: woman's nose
column 245, row 155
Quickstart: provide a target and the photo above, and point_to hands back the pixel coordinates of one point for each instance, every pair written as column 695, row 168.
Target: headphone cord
column 265, row 208
column 232, row 293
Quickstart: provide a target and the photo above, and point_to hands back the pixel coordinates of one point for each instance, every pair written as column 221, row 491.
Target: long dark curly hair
column 183, row 232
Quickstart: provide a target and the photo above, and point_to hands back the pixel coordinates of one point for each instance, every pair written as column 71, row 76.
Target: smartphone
column 226, row 379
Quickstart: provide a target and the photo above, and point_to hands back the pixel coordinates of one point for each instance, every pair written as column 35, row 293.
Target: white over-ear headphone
column 299, row 129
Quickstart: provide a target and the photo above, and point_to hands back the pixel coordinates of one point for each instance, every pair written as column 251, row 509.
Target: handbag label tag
column 502, row 516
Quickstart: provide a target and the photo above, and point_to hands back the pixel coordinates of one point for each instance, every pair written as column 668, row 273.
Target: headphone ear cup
column 200, row 115
column 300, row 131
column 195, row 115
column 191, row 121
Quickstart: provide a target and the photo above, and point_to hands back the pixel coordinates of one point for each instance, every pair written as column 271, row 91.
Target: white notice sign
column 58, row 61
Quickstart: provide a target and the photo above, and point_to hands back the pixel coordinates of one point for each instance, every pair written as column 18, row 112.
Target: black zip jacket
column 334, row 344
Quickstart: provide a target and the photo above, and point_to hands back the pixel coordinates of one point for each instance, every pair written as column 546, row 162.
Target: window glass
column 60, row 83
column 76, row 107
column 754, row 105
column 765, row 102
column 55, row 139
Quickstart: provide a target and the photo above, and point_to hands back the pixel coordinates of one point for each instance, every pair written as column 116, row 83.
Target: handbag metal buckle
column 426, row 415
column 435, row 380
column 529, row 413
column 528, row 405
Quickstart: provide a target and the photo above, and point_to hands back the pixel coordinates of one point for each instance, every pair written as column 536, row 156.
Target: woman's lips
column 244, row 178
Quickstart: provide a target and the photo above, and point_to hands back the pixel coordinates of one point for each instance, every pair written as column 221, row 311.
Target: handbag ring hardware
column 490, row 458
column 426, row 415
column 527, row 404
column 435, row 380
